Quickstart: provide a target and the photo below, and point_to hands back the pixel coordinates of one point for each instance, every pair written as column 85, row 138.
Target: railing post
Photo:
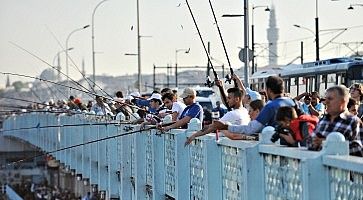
column 102, row 154
column 140, row 164
column 94, row 176
column 124, row 163
column 112, row 163
column 158, row 166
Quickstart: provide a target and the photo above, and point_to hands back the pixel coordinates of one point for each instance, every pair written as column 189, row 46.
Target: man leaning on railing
column 338, row 119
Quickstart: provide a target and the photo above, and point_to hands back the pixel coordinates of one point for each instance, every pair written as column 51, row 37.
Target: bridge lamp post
column 316, row 34
column 267, row 9
column 58, row 61
column 93, row 44
column 70, row 34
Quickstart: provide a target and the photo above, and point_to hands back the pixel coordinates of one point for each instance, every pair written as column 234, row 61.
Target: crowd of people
column 304, row 120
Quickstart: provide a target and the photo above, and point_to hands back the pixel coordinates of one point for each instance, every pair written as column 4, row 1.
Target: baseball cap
column 253, row 94
column 188, row 92
column 155, row 96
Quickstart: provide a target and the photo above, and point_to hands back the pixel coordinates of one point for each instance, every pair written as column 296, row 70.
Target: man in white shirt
column 238, row 116
column 101, row 108
column 171, row 103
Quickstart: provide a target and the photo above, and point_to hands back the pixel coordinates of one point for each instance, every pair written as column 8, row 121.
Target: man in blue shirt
column 275, row 91
column 219, row 109
column 193, row 110
column 311, row 105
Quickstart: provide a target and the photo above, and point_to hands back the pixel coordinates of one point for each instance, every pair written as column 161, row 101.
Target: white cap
column 155, row 96
column 253, row 94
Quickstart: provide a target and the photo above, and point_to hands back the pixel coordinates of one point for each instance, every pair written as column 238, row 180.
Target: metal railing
column 150, row 165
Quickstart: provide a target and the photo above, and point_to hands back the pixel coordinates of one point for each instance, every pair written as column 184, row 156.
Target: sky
column 42, row 27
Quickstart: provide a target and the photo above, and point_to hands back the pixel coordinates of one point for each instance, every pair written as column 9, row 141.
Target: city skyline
column 38, row 25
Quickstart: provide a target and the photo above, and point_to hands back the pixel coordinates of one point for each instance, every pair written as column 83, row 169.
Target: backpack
column 303, row 127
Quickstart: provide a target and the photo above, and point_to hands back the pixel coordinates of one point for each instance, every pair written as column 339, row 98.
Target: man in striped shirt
column 338, row 119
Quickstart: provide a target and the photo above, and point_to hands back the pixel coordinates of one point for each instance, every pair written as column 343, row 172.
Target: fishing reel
column 228, row 78
column 209, row 82
column 128, row 128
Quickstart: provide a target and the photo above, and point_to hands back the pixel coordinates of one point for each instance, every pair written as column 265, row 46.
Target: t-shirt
column 193, row 111
column 178, row 107
column 237, row 117
column 268, row 113
column 221, row 111
column 319, row 107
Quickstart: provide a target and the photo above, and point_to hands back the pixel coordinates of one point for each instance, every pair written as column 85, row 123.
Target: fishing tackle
column 208, row 83
column 37, row 57
column 228, row 76
column 82, row 144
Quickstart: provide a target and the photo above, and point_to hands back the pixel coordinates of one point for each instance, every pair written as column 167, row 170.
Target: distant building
column 7, row 82
column 48, row 74
column 83, row 68
column 272, row 37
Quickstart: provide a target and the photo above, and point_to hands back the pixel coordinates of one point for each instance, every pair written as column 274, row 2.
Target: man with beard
column 275, row 91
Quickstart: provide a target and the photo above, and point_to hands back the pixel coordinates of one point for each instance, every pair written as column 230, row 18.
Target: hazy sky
column 38, row 25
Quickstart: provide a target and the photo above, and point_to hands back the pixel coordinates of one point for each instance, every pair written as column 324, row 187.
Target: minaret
column 7, row 82
column 272, row 37
column 83, row 68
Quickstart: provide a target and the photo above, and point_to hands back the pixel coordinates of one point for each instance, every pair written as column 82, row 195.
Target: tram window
column 324, row 78
column 343, row 79
column 355, row 73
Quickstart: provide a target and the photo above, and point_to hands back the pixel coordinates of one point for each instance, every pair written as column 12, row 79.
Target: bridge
column 123, row 162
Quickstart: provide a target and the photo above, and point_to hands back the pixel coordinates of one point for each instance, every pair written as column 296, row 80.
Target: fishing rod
column 32, row 54
column 49, row 81
column 208, row 83
column 87, row 92
column 89, row 80
column 35, row 94
column 228, row 76
column 86, row 143
column 55, row 93
column 61, row 126
column 83, row 75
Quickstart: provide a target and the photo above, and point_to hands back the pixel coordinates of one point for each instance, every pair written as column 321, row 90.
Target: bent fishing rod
column 37, row 57
column 89, row 93
column 61, row 126
column 88, row 80
column 86, row 143
column 49, row 81
column 228, row 76
column 209, row 83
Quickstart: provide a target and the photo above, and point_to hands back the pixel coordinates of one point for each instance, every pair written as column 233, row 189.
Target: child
column 299, row 127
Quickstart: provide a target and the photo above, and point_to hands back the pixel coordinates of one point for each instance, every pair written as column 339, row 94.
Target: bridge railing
column 132, row 164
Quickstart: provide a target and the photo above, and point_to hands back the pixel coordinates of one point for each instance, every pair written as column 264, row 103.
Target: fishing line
column 228, row 78
column 86, row 143
column 209, row 83
column 73, row 81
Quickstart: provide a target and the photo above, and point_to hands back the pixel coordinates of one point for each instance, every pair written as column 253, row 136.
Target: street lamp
column 316, row 34
column 351, row 7
column 176, row 63
column 93, row 44
column 303, row 27
column 67, row 70
column 267, row 9
column 317, row 30
column 57, row 56
column 246, row 40
column 138, row 47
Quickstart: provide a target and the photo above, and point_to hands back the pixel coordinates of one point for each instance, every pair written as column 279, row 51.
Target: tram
column 315, row 76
